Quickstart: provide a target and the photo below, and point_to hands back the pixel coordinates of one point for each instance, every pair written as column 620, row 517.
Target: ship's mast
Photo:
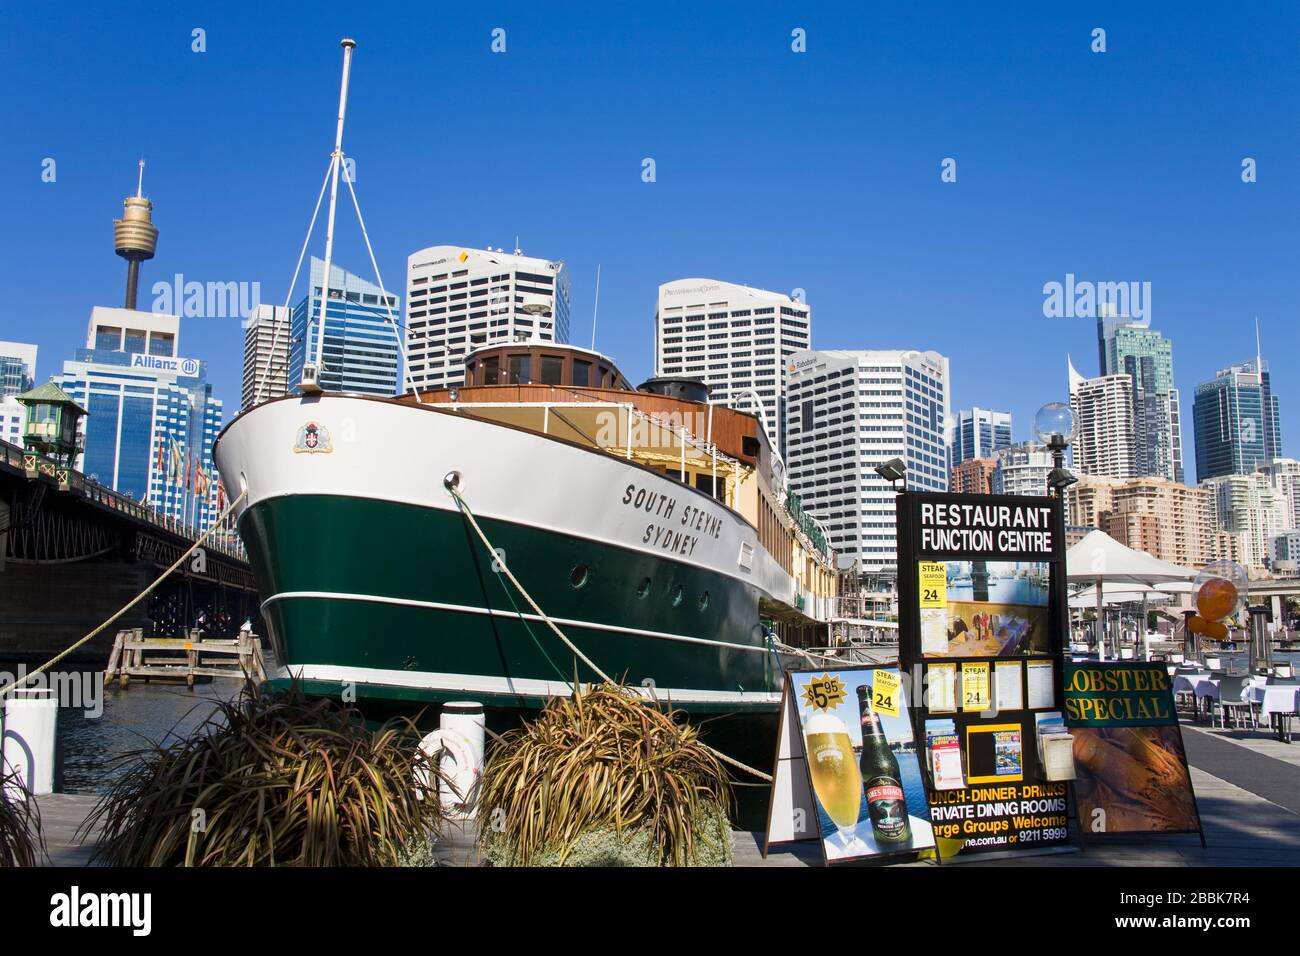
column 311, row 382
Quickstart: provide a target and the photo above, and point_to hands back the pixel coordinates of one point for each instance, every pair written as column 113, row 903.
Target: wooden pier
column 184, row 658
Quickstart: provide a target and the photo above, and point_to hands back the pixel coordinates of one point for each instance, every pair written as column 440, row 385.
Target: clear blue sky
column 818, row 170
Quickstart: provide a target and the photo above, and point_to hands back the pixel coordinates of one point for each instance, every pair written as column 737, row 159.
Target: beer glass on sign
column 834, row 771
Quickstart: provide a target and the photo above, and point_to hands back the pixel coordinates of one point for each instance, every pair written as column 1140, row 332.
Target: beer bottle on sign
column 886, row 803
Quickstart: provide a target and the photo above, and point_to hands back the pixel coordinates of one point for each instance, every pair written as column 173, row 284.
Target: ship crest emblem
column 313, row 438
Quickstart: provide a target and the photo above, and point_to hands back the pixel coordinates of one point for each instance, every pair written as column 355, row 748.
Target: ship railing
column 691, row 447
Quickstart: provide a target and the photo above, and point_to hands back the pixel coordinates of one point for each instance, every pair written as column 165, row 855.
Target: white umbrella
column 1129, row 595
column 1099, row 559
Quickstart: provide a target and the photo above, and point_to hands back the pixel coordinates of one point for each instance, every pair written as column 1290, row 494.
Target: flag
column 158, row 467
column 201, row 480
column 189, row 473
column 221, row 496
column 174, row 465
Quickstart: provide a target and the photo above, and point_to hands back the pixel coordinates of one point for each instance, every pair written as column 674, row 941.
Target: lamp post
column 1054, row 426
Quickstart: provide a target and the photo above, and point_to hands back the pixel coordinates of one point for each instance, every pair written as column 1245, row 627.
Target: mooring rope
column 500, row 562
column 198, row 543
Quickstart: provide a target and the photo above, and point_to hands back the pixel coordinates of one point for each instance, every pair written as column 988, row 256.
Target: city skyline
column 922, row 288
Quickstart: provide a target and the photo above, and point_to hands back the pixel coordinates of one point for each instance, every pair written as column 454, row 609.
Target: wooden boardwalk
column 1247, row 787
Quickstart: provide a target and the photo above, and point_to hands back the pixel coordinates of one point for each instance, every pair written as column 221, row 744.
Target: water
column 91, row 747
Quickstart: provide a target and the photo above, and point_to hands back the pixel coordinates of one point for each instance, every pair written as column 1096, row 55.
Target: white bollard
column 460, row 737
column 31, row 717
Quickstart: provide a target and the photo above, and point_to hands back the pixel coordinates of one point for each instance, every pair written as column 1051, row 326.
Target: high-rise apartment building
column 738, row 340
column 980, row 433
column 1104, row 427
column 361, row 350
column 1132, row 348
column 1236, row 421
column 145, row 403
column 460, row 300
column 1284, row 473
column 848, row 412
column 1250, row 510
column 266, row 354
column 974, row 476
column 17, row 375
column 1022, row 469
column 1167, row 519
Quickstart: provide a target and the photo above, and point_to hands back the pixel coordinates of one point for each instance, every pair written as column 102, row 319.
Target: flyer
column 975, row 686
column 941, row 688
column 1042, row 684
column 1007, row 684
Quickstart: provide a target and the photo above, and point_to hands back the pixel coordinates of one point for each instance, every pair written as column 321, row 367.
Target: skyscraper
column 266, row 354
column 980, row 433
column 1236, row 422
column 849, row 411
column 460, row 300
column 361, row 351
column 1104, row 427
column 146, row 404
column 17, row 375
column 737, row 339
column 1132, row 348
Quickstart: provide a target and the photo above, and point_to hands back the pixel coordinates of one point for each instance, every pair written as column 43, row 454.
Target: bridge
column 73, row 552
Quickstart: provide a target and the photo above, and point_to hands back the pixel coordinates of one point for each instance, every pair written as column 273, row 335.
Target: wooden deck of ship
column 1247, row 787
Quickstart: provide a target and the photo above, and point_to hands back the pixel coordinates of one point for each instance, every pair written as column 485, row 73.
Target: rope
column 130, row 604
column 469, row 516
column 401, row 344
column 275, row 334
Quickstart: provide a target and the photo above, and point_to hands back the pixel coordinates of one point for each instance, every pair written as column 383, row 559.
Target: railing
column 69, row 480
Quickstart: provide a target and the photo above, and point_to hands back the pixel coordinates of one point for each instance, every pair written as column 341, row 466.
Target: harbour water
column 93, row 740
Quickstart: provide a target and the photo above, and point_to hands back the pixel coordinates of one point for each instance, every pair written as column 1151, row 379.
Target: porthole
column 643, row 589
column 579, row 575
column 704, row 601
column 678, row 593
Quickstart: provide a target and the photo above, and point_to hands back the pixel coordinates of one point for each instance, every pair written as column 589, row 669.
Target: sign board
column 982, row 620
column 1130, row 764
column 847, row 772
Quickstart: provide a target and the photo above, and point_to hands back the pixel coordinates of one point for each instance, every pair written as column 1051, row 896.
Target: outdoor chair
column 1233, row 700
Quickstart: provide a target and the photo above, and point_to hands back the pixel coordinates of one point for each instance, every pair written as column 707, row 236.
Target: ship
column 653, row 529
column 539, row 526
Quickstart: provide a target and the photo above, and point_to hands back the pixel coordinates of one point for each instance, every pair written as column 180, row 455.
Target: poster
column 984, row 608
column 862, row 766
column 1130, row 766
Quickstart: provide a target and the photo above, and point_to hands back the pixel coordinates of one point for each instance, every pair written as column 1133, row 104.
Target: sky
column 816, row 170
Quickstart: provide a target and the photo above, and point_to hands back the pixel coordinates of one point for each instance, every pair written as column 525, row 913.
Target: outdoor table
column 1187, row 684
column 1207, row 687
column 1279, row 703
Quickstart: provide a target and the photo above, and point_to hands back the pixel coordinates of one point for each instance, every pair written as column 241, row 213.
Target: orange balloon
column 1217, row 630
column 1216, row 599
column 1196, row 624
